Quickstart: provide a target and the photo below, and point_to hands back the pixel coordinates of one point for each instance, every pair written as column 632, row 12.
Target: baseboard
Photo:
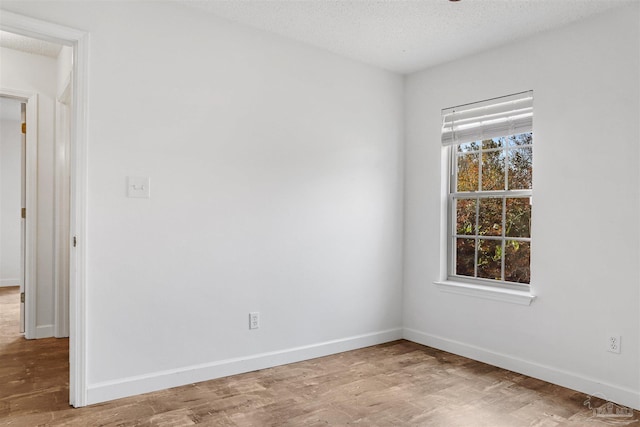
column 5, row 283
column 110, row 390
column 44, row 331
column 572, row 380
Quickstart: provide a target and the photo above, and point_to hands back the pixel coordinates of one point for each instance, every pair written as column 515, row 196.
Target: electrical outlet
column 254, row 320
column 613, row 344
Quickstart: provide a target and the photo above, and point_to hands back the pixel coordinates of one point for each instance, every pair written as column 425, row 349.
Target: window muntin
column 490, row 204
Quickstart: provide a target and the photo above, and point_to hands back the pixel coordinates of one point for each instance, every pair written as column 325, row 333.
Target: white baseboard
column 5, row 283
column 44, row 331
column 589, row 386
column 109, row 390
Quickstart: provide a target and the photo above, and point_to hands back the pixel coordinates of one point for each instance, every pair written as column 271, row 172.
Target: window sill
column 487, row 292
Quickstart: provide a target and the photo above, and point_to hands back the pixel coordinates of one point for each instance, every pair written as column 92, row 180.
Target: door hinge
column 22, row 297
column 23, row 213
column 74, row 241
column 24, row 128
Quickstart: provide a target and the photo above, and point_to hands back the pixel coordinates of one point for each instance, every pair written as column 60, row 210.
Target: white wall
column 62, row 193
column 10, row 148
column 37, row 74
column 585, row 255
column 276, row 187
column 64, row 66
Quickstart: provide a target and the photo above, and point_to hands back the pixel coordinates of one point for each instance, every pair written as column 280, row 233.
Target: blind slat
column 509, row 115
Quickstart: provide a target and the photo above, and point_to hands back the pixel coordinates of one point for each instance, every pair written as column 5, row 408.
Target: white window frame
column 452, row 235
column 501, row 290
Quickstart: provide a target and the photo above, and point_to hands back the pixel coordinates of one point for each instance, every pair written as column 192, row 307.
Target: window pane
column 465, row 255
column 521, row 139
column 490, row 217
column 468, row 146
column 494, row 143
column 468, row 172
column 465, row 216
column 518, row 217
column 490, row 259
column 520, row 161
column 493, row 170
column 516, row 261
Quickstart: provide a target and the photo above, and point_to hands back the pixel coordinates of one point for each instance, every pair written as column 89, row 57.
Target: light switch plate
column 138, row 186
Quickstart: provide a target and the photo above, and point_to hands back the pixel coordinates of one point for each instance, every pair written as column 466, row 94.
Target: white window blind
column 507, row 115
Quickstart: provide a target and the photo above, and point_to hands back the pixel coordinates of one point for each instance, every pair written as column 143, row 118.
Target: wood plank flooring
column 395, row 384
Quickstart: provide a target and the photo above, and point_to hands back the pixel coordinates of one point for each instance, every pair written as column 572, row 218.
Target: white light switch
column 138, row 186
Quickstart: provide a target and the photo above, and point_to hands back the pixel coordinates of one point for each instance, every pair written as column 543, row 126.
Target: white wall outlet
column 254, row 320
column 613, row 343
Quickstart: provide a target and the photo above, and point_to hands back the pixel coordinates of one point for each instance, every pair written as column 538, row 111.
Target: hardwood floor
column 395, row 384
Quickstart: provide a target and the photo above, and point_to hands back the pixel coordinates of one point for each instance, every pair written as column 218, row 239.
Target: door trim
column 31, row 204
column 79, row 40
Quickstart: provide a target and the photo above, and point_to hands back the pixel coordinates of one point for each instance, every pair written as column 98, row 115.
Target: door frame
column 79, row 41
column 29, row 169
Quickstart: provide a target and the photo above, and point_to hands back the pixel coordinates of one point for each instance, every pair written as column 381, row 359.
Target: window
column 489, row 200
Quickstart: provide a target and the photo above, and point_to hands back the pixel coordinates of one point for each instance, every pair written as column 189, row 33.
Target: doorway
column 76, row 157
column 12, row 200
column 30, row 75
column 18, row 186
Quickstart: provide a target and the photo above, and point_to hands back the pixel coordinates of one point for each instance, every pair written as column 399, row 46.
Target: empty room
column 351, row 212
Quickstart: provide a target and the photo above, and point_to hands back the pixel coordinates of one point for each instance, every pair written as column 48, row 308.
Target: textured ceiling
column 403, row 35
column 29, row 45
